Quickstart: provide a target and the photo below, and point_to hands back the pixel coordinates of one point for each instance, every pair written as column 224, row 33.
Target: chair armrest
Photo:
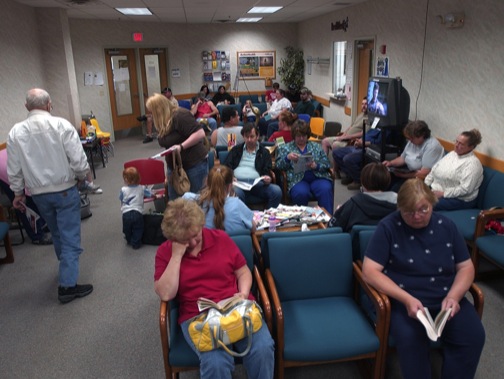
column 381, row 304
column 273, row 176
column 164, row 320
column 277, row 309
column 263, row 299
column 485, row 216
column 257, row 251
column 478, row 298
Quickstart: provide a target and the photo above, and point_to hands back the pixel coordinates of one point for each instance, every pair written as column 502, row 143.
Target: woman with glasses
column 455, row 179
column 419, row 259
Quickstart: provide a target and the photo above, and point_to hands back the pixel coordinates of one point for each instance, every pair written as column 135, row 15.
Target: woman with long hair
column 222, row 210
column 177, row 128
column 285, row 122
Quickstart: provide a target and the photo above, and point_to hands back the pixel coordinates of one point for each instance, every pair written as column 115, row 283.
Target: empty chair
column 489, row 245
column 184, row 104
column 317, row 317
column 305, row 117
column 332, row 128
column 317, row 125
column 106, row 143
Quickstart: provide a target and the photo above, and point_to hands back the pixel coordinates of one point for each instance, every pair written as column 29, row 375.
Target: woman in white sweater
column 455, row 179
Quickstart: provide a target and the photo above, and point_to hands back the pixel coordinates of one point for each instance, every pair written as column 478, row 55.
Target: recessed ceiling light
column 264, row 9
column 249, row 19
column 135, row 11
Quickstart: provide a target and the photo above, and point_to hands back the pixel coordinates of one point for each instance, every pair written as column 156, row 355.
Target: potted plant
column 291, row 68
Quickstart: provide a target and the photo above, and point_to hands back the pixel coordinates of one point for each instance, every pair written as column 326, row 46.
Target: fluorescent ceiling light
column 135, row 11
column 249, row 19
column 264, row 9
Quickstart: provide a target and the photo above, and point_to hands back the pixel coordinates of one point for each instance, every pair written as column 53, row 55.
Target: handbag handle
column 177, row 159
column 248, row 327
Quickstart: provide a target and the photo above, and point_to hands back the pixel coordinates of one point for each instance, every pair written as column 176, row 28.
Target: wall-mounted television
column 388, row 100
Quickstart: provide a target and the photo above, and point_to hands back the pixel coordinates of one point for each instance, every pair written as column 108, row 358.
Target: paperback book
column 223, row 305
column 434, row 327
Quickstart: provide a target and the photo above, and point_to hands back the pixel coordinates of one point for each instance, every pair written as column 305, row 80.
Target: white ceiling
column 194, row 11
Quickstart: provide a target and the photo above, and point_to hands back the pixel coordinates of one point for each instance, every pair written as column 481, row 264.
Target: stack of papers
column 286, row 215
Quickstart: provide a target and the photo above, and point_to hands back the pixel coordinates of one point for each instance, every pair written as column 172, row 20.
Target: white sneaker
column 90, row 188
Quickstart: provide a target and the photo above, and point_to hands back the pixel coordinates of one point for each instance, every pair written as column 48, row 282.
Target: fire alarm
column 383, row 49
column 137, row 37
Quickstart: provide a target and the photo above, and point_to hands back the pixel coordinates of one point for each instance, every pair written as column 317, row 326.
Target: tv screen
column 388, row 100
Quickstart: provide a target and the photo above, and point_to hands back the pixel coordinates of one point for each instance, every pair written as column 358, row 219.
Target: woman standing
column 455, row 179
column 310, row 179
column 178, row 128
column 419, row 259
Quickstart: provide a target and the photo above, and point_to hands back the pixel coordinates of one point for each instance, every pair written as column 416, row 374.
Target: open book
column 403, row 169
column 222, row 305
column 435, row 327
column 302, row 163
column 247, row 186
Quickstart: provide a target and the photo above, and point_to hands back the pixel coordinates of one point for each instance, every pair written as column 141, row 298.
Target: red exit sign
column 137, row 37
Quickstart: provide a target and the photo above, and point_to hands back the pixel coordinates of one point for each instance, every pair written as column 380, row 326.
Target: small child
column 249, row 111
column 132, row 203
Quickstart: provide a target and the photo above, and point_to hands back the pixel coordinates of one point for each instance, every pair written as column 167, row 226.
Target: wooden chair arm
column 277, row 309
column 478, row 298
column 483, row 217
column 273, row 176
column 263, row 299
column 257, row 251
column 164, row 319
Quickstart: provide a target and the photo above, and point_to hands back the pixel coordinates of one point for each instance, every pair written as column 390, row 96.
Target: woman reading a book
column 419, row 259
column 196, row 262
column 222, row 209
column 307, row 168
column 178, row 129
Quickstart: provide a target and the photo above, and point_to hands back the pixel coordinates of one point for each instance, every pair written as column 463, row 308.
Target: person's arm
column 194, row 107
column 373, row 275
column 396, row 162
column 213, row 138
column 192, row 140
column 462, row 282
column 167, row 285
column 214, row 109
column 244, row 279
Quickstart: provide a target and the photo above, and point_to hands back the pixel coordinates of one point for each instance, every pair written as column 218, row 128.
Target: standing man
column 46, row 156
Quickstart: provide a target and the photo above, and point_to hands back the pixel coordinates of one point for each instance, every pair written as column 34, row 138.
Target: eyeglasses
column 421, row 212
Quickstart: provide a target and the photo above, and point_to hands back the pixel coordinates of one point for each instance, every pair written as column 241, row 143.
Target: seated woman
column 306, row 178
column 455, row 179
column 418, row 157
column 369, row 206
column 285, row 121
column 222, row 210
column 199, row 262
column 419, row 259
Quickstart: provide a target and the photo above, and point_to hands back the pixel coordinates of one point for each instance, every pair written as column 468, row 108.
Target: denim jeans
column 271, row 193
column 61, row 211
column 133, row 226
column 217, row 364
column 197, row 177
column 349, row 160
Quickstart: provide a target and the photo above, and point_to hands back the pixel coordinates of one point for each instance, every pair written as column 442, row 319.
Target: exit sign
column 137, row 37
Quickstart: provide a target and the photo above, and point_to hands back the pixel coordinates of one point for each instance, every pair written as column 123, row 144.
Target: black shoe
column 346, row 181
column 142, row 118
column 147, row 139
column 67, row 294
column 45, row 240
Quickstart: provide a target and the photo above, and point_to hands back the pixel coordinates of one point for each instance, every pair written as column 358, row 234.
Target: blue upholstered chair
column 4, row 235
column 358, row 251
column 305, row 117
column 317, row 317
column 488, row 197
column 488, row 245
column 184, row 104
column 177, row 355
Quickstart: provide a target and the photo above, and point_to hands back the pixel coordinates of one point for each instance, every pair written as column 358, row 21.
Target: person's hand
column 266, row 179
column 386, row 164
column 339, row 138
column 293, row 157
column 449, row 302
column 312, row 165
column 358, row 142
column 413, row 305
column 19, row 202
column 242, row 295
column 438, row 194
column 178, row 249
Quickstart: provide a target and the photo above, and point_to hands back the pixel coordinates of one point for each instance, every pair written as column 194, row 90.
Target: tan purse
column 179, row 179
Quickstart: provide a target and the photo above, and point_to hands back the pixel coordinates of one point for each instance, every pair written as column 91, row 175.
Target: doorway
column 122, row 77
column 365, row 58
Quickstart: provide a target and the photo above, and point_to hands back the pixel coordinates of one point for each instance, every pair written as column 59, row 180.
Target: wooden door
column 123, row 87
column 365, row 70
column 154, row 71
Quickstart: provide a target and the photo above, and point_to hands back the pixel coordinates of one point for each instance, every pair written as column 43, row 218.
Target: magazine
column 247, row 186
column 302, row 163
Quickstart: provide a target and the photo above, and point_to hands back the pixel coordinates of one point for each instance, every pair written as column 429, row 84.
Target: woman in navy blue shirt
column 419, row 259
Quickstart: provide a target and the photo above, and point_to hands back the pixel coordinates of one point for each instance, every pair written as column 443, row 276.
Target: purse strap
column 177, row 159
column 248, row 327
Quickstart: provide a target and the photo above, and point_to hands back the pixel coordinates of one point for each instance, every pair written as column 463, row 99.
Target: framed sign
column 257, row 64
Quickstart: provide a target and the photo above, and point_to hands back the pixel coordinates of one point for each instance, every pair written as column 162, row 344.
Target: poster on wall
column 382, row 66
column 256, row 64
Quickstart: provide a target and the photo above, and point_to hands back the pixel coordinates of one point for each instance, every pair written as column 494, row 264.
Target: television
column 388, row 100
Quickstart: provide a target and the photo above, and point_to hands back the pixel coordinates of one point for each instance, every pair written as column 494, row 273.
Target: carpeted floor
column 113, row 333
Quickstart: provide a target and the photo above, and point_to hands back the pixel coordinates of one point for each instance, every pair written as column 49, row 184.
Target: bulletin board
column 257, row 64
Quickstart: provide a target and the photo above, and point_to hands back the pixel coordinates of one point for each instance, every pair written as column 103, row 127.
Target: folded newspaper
column 302, row 163
column 247, row 186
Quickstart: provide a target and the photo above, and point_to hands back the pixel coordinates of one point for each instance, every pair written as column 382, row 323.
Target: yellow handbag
column 217, row 328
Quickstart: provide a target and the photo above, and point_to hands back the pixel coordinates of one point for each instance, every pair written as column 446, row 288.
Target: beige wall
column 459, row 87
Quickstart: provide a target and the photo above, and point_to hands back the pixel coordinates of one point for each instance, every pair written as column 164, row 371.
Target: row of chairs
column 319, row 310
